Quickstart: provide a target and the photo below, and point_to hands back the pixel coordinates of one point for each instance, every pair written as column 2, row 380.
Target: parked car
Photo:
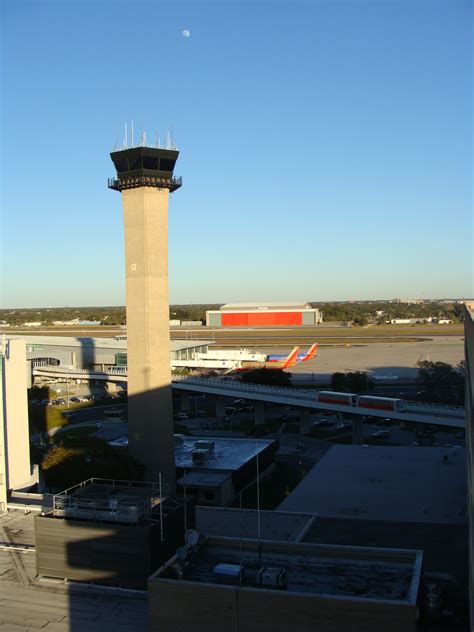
column 345, row 425
column 76, row 400
column 380, row 434
column 202, row 413
column 182, row 416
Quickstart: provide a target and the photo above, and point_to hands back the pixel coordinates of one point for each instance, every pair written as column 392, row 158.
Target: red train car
column 380, row 403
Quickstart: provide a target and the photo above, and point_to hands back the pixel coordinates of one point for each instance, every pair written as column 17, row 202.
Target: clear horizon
column 325, row 148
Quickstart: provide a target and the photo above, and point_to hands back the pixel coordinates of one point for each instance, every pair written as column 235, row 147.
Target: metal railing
column 117, row 503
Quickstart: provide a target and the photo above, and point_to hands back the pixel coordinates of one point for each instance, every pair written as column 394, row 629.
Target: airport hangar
column 264, row 315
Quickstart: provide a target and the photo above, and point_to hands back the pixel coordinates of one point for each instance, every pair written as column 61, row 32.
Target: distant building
column 409, row 301
column 263, row 315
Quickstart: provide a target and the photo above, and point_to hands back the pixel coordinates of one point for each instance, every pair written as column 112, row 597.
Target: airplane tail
column 311, row 352
column 291, row 359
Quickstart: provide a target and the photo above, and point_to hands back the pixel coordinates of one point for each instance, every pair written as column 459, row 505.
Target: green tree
column 268, row 377
column 85, row 457
column 338, row 381
column 441, row 383
column 358, row 382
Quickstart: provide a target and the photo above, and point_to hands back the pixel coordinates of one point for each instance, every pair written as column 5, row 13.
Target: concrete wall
column 198, row 607
column 15, row 415
column 150, row 408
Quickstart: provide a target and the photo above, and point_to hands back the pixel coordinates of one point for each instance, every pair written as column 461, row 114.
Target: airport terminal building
column 95, row 353
column 264, row 315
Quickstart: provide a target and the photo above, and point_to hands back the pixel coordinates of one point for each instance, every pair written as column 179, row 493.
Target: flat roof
column 281, row 526
column 229, row 454
column 98, row 343
column 389, row 483
column 263, row 306
column 318, row 569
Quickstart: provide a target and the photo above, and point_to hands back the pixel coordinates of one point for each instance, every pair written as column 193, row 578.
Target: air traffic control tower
column 145, row 179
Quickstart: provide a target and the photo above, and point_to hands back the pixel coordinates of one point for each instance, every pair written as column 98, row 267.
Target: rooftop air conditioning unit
column 205, row 444
column 273, row 576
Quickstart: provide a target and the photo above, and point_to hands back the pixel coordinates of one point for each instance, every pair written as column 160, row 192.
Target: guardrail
column 297, row 393
column 309, row 395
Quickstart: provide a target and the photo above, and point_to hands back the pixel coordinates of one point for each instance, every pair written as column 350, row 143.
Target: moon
column 186, row 33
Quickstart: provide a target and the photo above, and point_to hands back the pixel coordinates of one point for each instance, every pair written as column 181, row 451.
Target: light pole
column 67, row 387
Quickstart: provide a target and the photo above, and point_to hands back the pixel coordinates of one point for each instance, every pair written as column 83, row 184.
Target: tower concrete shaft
column 145, row 178
column 150, row 408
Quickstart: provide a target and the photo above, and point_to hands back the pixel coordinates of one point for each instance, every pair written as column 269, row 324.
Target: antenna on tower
column 133, row 142
column 172, row 145
column 126, row 139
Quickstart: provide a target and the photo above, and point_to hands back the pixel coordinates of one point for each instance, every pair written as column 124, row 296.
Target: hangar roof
column 262, row 306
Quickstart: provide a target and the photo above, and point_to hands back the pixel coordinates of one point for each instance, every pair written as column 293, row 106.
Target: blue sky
column 325, row 147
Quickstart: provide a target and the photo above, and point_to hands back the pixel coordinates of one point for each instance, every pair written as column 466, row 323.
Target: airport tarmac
column 399, row 359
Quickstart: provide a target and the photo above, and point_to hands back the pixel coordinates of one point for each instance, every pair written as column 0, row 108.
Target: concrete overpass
column 304, row 399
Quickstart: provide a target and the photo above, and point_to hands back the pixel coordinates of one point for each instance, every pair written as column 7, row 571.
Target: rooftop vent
column 228, row 573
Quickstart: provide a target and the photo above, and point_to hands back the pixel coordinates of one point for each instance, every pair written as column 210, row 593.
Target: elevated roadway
column 305, row 399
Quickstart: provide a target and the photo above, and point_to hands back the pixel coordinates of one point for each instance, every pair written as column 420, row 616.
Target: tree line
column 358, row 313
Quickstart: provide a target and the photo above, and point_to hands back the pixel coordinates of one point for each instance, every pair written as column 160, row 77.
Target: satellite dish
column 182, row 552
column 192, row 537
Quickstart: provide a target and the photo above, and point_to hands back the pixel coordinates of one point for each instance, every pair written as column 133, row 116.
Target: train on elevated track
column 370, row 402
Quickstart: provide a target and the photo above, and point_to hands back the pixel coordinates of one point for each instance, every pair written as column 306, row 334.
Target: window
column 150, row 163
